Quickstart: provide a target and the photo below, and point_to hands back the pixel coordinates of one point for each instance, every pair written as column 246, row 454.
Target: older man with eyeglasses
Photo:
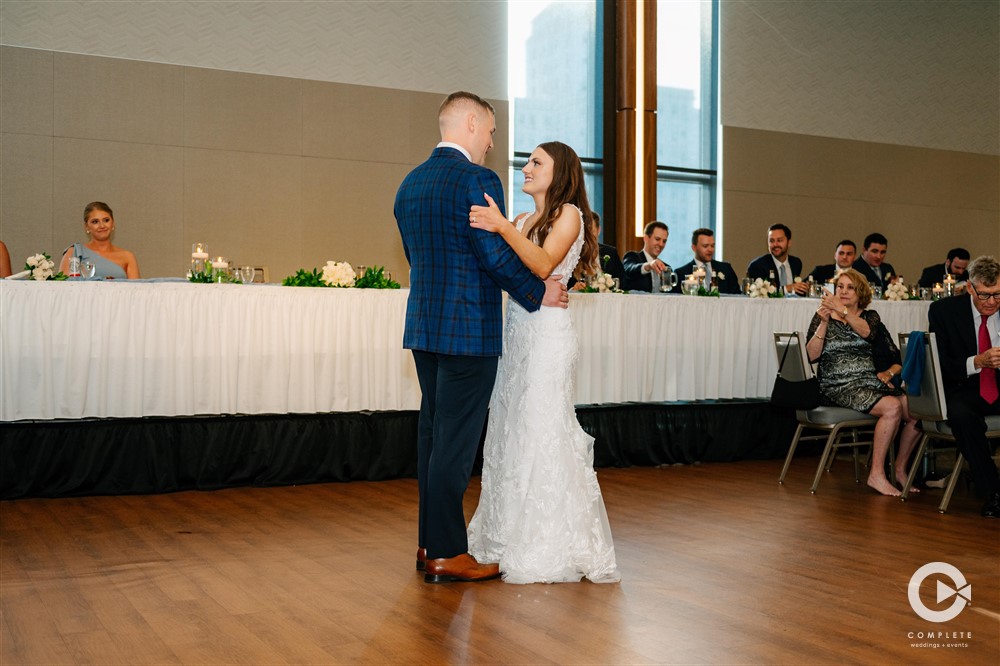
column 968, row 334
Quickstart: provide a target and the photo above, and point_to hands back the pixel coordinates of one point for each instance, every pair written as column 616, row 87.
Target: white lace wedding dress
column 541, row 514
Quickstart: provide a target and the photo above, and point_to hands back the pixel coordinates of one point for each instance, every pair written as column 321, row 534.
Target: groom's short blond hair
column 464, row 98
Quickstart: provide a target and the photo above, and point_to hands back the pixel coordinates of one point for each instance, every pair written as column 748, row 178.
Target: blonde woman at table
column 110, row 260
column 857, row 364
column 541, row 515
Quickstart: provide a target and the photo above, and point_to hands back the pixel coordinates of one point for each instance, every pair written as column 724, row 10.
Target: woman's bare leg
column 889, row 411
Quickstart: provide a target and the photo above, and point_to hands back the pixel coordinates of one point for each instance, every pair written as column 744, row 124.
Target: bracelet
column 819, row 337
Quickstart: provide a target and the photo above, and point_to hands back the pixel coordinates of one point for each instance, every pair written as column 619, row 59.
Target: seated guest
column 851, row 344
column 5, row 269
column 966, row 328
column 110, row 260
column 872, row 263
column 778, row 263
column 703, row 246
column 612, row 265
column 843, row 259
column 954, row 265
column 642, row 270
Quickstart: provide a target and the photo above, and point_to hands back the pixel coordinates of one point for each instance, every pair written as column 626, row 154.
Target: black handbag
column 794, row 394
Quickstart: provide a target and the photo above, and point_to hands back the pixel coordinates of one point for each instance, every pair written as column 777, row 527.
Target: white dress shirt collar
column 449, row 144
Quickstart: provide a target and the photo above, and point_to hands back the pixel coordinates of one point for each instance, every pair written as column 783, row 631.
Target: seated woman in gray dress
column 110, row 260
column 857, row 364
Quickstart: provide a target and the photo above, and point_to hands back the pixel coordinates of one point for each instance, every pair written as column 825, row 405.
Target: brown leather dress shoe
column 421, row 558
column 461, row 568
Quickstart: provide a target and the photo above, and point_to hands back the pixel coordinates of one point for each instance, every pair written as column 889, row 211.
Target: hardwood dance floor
column 719, row 564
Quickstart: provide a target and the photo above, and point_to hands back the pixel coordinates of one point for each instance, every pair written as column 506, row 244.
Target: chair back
column 930, row 405
column 788, row 346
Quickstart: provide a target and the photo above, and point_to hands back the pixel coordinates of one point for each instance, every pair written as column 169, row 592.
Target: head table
column 73, row 350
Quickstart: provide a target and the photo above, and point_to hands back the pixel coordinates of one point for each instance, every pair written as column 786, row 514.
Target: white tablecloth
column 75, row 350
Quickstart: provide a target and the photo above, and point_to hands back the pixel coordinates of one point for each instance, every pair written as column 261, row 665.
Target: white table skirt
column 75, row 350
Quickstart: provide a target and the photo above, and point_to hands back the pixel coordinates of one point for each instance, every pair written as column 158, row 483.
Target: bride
column 541, row 514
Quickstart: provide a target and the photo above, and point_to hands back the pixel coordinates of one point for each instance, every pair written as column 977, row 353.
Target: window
column 686, row 120
column 556, row 86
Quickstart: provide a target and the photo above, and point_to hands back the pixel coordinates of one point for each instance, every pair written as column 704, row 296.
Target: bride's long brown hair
column 567, row 188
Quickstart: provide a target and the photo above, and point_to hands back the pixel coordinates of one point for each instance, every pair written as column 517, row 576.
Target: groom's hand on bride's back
column 556, row 295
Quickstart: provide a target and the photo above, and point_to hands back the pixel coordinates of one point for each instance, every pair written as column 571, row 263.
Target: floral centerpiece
column 338, row 274
column 601, row 283
column 761, row 288
column 341, row 274
column 897, row 291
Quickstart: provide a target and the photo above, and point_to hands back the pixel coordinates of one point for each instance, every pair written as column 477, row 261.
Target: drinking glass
column 87, row 268
column 247, row 274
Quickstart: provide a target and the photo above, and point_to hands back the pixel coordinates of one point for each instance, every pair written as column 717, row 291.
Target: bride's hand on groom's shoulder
column 489, row 218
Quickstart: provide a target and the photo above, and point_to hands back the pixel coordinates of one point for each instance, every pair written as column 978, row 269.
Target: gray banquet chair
column 931, row 408
column 834, row 422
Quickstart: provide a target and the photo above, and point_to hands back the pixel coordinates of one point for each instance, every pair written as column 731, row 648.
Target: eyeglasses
column 985, row 297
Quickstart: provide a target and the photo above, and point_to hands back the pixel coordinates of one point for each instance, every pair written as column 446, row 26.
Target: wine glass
column 247, row 274
column 87, row 268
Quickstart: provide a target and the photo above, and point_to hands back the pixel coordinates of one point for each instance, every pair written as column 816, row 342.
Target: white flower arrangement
column 338, row 274
column 601, row 283
column 720, row 275
column 40, row 267
column 760, row 288
column 897, row 291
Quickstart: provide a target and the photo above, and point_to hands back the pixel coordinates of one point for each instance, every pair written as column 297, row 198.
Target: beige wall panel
column 143, row 185
column 892, row 71
column 762, row 161
column 817, row 225
column 118, row 100
column 26, row 193
column 347, row 215
column 246, row 206
column 920, row 235
column 908, row 175
column 430, row 45
column 377, row 124
column 233, row 111
column 26, row 91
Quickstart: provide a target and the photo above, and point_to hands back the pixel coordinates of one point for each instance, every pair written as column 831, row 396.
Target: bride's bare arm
column 540, row 260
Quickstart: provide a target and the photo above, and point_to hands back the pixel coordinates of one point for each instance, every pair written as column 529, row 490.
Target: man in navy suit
column 703, row 246
column 967, row 329
column 778, row 263
column 843, row 259
column 955, row 265
column 454, row 323
column 641, row 269
column 872, row 263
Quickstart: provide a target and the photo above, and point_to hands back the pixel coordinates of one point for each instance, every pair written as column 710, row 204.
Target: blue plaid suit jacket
column 457, row 272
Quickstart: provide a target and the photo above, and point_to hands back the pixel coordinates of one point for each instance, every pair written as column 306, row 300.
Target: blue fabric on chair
column 913, row 364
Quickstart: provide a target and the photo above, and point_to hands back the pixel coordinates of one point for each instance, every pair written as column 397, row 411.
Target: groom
column 453, row 323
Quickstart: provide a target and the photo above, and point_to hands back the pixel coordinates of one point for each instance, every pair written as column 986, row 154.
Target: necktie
column 987, row 376
column 708, row 275
column 782, row 275
column 878, row 274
